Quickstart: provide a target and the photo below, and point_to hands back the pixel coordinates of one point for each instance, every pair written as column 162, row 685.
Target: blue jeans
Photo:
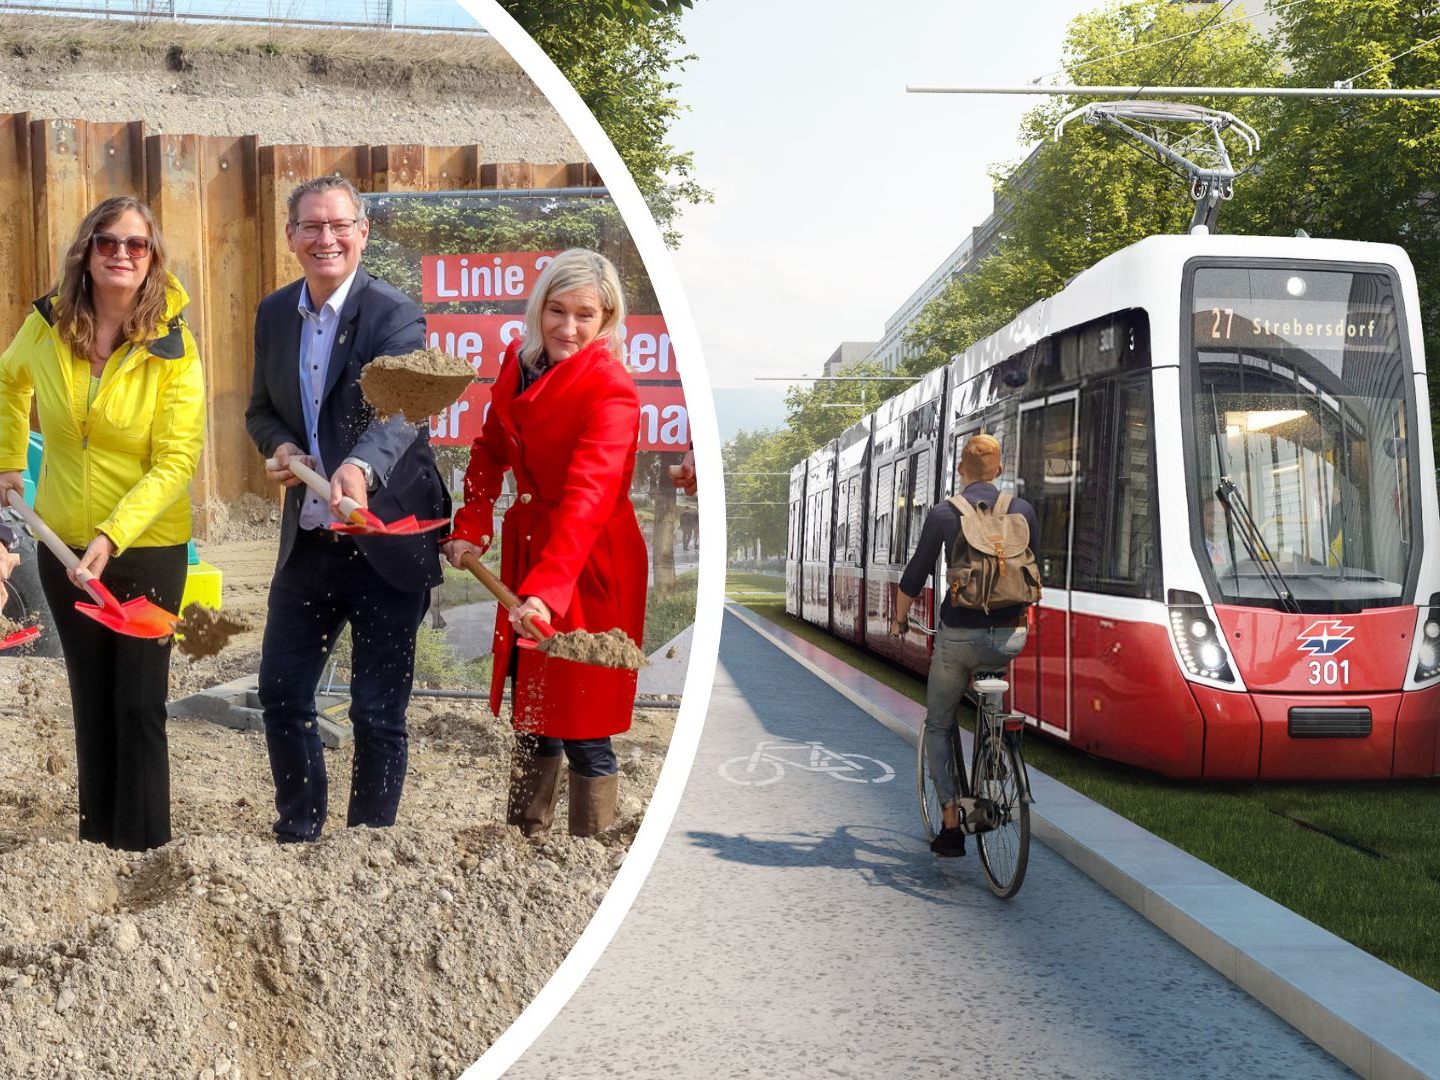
column 959, row 653
column 323, row 585
column 588, row 757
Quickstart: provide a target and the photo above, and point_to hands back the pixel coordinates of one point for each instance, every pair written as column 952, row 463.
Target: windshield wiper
column 1255, row 546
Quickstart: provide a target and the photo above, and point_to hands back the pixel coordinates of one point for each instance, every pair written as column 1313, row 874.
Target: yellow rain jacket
column 123, row 465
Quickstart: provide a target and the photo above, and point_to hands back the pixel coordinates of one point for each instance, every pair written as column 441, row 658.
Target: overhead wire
column 1350, row 82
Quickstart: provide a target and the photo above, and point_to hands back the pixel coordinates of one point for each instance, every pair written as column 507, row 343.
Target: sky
column 836, row 192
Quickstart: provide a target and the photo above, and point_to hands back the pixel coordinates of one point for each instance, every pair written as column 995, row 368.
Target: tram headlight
column 1427, row 656
column 1196, row 638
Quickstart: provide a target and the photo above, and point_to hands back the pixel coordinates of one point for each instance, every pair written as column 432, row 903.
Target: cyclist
column 967, row 638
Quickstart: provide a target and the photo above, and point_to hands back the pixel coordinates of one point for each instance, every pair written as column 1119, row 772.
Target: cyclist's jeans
column 959, row 653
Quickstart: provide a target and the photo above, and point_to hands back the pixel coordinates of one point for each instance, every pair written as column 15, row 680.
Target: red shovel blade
column 20, row 637
column 406, row 526
column 141, row 618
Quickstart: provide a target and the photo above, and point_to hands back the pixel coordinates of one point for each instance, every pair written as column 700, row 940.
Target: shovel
column 508, row 600
column 20, row 637
column 359, row 521
column 141, row 617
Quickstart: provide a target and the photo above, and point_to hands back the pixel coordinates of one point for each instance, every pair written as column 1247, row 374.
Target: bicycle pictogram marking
column 767, row 763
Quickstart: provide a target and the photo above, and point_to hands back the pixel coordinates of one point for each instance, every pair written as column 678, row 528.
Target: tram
column 1226, row 440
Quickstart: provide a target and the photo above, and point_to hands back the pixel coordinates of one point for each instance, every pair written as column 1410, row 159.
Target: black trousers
column 324, row 584
column 118, row 689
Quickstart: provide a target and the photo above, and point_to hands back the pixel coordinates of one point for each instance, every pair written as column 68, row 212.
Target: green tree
column 1075, row 201
column 618, row 55
column 1360, row 169
column 757, row 490
column 758, row 463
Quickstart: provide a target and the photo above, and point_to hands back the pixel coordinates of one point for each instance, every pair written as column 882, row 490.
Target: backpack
column 991, row 564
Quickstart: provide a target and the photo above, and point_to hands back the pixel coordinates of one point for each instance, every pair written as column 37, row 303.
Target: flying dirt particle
column 204, row 631
column 416, row 385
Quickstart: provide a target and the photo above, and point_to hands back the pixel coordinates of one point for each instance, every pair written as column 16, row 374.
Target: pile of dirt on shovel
column 613, row 648
column 397, row 952
column 415, row 385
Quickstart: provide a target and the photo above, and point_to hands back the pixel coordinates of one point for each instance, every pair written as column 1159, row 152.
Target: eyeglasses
column 340, row 228
column 108, row 244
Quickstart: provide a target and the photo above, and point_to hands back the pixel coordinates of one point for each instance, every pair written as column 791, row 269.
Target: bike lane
column 801, row 928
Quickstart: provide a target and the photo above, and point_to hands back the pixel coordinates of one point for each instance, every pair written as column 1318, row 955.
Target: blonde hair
column 980, row 457
column 74, row 303
column 568, row 271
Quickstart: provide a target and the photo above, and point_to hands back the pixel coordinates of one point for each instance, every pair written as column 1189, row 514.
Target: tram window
column 904, row 494
column 1114, row 548
column 920, row 474
column 884, row 505
column 1047, row 452
column 842, row 522
column 857, row 532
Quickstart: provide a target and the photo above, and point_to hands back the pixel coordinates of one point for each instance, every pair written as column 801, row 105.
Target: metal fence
column 424, row 15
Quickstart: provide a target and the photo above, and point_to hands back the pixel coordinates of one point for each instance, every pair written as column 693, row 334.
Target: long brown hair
column 74, row 303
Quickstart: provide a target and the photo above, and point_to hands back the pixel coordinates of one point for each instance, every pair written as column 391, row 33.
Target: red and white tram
column 1227, row 443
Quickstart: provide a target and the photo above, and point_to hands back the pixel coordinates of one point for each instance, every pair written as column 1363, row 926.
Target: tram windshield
column 1301, row 392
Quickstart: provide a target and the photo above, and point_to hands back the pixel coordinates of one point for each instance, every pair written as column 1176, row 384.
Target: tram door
column 1046, row 479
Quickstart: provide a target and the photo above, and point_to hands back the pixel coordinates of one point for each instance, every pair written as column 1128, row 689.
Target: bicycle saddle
column 989, row 682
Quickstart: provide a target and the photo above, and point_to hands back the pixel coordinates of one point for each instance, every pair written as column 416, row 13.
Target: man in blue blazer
column 312, row 339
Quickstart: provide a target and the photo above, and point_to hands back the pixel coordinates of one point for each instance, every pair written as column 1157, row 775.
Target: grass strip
column 1389, row 906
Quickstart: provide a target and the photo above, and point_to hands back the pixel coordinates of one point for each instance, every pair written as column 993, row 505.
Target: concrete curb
column 1377, row 1020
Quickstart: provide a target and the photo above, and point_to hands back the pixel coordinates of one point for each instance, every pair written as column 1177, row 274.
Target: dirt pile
column 612, row 649
column 415, row 385
column 247, row 518
column 395, row 952
column 286, row 84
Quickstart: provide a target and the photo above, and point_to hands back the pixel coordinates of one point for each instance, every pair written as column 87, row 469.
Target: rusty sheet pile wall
column 220, row 201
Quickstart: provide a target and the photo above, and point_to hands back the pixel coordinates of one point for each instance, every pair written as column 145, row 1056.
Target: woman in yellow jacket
column 118, row 386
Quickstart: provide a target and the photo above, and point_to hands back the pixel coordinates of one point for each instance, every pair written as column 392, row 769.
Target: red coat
column 570, row 537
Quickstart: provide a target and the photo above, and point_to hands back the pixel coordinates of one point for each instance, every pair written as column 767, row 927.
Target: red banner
column 664, row 421
column 480, row 339
column 647, row 349
column 510, row 275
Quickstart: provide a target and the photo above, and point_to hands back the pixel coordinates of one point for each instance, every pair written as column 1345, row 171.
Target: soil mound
column 376, row 952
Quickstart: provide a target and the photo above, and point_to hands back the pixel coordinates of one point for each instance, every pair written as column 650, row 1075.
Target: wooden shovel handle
column 502, row 592
column 58, row 547
column 321, row 487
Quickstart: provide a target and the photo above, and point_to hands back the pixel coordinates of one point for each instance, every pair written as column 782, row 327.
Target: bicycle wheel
column 930, row 809
column 1005, row 849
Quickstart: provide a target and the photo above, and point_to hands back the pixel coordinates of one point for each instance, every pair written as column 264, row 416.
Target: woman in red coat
column 563, row 418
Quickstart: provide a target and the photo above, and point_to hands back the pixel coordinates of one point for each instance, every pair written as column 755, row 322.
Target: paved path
column 801, row 929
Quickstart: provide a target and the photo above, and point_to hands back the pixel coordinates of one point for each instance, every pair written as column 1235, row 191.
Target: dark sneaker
column 949, row 844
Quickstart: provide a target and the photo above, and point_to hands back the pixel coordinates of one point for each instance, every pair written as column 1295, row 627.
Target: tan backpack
column 991, row 564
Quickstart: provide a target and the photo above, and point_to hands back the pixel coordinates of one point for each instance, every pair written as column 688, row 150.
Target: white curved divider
column 710, row 597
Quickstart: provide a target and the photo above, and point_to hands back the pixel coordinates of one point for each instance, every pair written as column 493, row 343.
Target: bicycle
column 994, row 799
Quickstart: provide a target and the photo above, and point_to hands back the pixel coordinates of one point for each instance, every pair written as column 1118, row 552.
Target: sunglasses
column 107, row 244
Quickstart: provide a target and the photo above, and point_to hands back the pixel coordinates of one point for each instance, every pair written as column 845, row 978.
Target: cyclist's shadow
column 883, row 857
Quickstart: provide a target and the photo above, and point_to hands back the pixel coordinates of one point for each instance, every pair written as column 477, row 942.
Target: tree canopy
column 617, row 54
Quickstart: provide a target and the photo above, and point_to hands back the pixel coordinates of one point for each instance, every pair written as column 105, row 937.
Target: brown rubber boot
column 534, row 791
column 592, row 803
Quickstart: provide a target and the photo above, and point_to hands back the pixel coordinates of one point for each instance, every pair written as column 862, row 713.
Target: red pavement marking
column 909, row 713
